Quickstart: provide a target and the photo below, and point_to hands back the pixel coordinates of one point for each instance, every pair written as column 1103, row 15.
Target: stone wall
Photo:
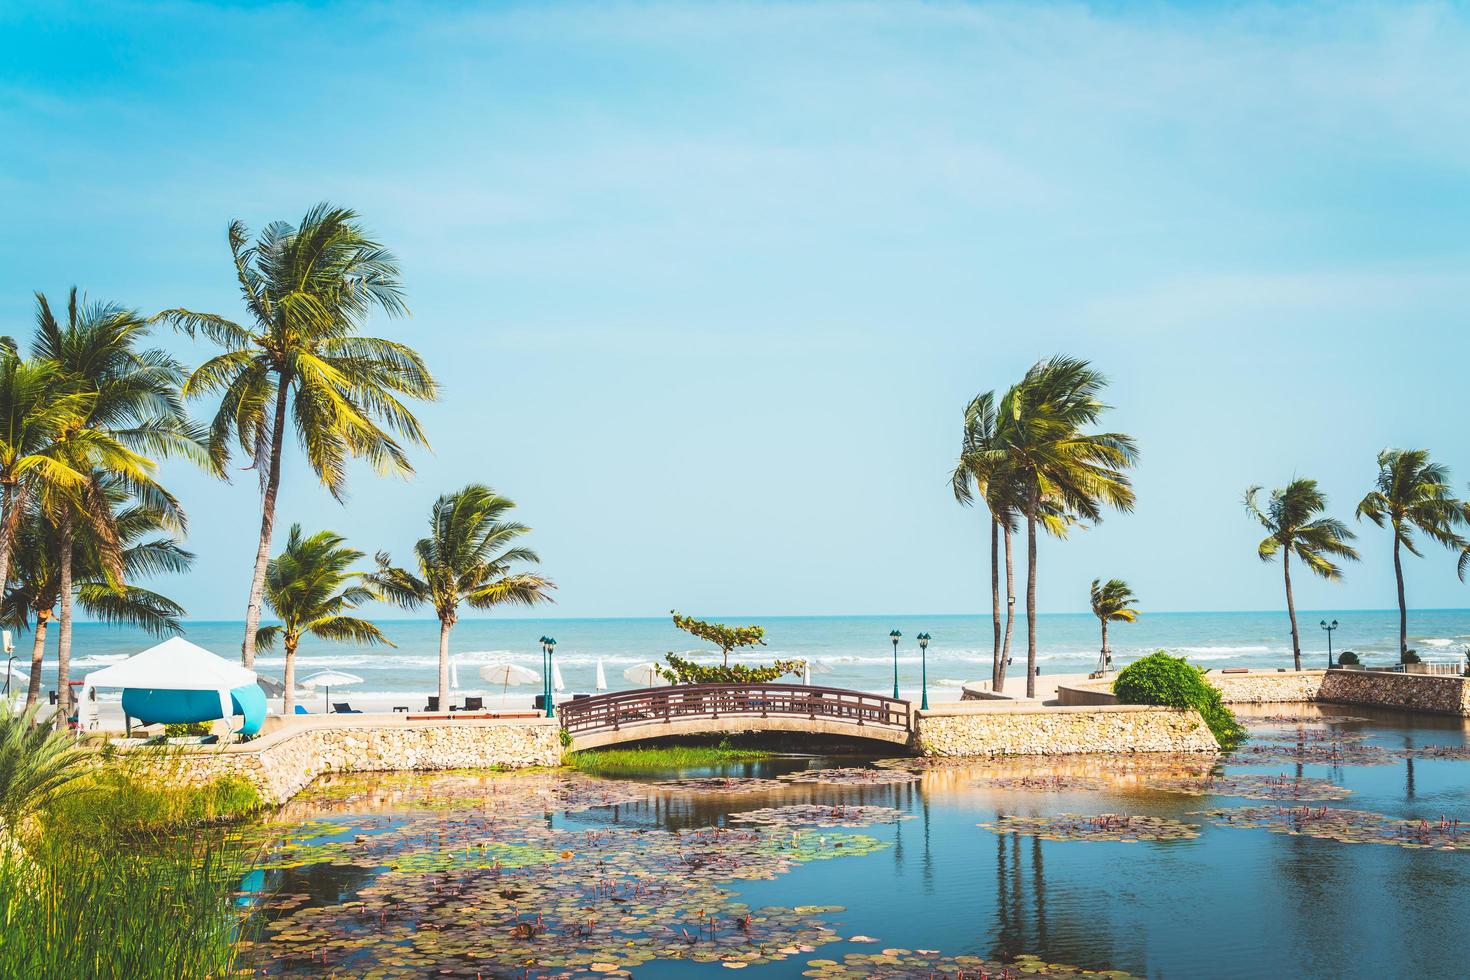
column 281, row 764
column 1262, row 687
column 1016, row 729
column 1267, row 687
column 1433, row 693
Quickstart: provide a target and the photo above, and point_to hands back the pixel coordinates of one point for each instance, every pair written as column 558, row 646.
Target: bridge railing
column 657, row 705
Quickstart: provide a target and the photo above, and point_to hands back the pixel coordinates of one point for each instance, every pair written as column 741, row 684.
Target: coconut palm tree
column 310, row 587
column 307, row 292
column 35, row 763
column 134, row 408
column 1412, row 493
column 1055, row 464
column 979, row 474
column 36, row 410
column 1294, row 526
column 146, row 548
column 1112, row 602
column 468, row 558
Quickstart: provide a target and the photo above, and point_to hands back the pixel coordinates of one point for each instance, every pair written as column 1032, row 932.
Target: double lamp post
column 923, row 639
column 548, row 647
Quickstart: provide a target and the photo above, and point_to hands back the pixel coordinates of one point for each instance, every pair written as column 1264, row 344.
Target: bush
column 1175, row 683
column 1410, row 657
column 187, row 729
column 1348, row 657
column 682, row 671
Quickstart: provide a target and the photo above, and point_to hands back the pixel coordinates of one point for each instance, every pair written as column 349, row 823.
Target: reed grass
column 656, row 758
column 74, row 907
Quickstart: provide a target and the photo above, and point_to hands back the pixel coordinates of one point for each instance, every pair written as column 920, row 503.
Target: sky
column 708, row 284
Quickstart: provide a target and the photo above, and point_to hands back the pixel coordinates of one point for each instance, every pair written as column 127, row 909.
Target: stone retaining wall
column 281, row 764
column 997, row 729
column 1263, row 687
column 1434, row 693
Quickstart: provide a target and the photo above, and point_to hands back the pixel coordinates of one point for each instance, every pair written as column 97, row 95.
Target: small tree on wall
column 727, row 638
column 683, row 671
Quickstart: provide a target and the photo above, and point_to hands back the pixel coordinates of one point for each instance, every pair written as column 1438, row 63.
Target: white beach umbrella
column 601, row 676
column 507, row 674
column 645, row 675
column 328, row 679
column 557, row 684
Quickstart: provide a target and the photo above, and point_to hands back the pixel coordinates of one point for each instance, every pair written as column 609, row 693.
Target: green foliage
column 74, row 908
column 683, row 671
column 1112, row 601
column 1411, row 657
column 661, row 758
column 727, row 638
column 186, row 729
column 565, row 737
column 137, row 799
column 1348, row 657
column 36, row 763
column 1174, row 682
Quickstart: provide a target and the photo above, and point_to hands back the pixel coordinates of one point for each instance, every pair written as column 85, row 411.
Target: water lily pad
column 1119, row 827
column 1348, row 826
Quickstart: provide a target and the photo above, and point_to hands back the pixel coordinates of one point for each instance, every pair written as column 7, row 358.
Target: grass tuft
column 656, row 758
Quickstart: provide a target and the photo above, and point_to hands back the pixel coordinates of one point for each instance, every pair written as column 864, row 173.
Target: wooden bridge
column 688, row 709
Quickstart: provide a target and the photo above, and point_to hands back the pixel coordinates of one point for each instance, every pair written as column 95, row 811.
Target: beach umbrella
column 645, row 675
column 557, row 684
column 601, row 676
column 328, row 679
column 507, row 674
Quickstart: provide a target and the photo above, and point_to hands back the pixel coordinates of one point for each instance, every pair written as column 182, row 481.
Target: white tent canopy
column 173, row 665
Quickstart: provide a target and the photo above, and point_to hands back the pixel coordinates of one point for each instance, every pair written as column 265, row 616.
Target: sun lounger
column 301, row 710
column 344, row 708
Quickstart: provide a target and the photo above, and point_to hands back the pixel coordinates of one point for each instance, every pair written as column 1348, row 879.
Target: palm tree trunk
column 38, row 654
column 995, row 664
column 1296, row 646
column 288, row 703
column 63, row 622
column 267, row 523
column 444, row 627
column 1398, row 574
column 12, row 503
column 1104, row 621
column 1031, row 594
column 1005, row 648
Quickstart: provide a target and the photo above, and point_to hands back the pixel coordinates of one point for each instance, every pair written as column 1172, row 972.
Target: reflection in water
column 1231, row 903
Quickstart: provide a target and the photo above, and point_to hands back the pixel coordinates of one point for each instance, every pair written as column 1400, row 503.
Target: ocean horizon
column 847, row 651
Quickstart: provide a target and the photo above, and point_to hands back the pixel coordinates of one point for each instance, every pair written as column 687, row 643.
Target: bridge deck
column 686, row 708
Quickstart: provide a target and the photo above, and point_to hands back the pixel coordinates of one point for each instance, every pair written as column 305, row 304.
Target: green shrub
column 1175, row 683
column 36, row 764
column 1348, row 657
column 183, row 729
column 683, row 671
column 140, row 800
column 1410, row 657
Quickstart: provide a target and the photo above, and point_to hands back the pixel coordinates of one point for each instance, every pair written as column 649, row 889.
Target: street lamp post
column 550, row 694
column 924, row 671
column 545, row 674
column 1329, row 627
column 894, row 636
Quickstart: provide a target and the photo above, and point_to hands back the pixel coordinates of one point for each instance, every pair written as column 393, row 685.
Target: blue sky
column 709, row 284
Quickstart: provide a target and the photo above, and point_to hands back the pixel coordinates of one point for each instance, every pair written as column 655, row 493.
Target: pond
column 1330, row 846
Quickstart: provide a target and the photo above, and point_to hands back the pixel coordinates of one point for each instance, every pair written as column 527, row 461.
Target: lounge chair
column 301, row 710
column 433, row 704
column 343, row 708
column 474, row 704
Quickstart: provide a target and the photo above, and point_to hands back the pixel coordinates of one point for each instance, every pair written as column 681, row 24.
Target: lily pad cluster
column 1458, row 752
column 928, row 964
column 1058, row 783
column 1119, row 827
column 820, row 815
column 1335, row 753
column 854, row 776
column 1348, row 826
column 722, row 784
column 1254, row 721
column 1255, row 786
column 486, row 883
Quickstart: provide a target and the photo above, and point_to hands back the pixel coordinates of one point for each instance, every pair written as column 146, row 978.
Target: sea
column 845, row 651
